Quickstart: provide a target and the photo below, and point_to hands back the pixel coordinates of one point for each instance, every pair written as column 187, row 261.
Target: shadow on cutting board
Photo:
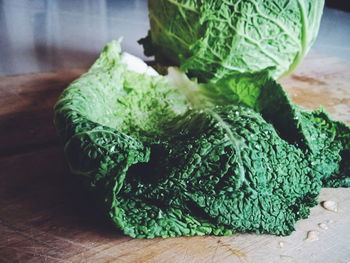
column 40, row 204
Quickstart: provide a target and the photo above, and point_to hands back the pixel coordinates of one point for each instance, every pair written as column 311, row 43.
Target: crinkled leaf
column 166, row 156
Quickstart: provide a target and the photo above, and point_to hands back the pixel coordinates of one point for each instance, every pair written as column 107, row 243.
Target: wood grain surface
column 45, row 217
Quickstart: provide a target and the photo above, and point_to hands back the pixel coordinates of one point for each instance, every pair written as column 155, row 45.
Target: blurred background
column 339, row 4
column 50, row 35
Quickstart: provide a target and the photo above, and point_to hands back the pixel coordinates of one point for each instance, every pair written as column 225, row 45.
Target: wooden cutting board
column 42, row 218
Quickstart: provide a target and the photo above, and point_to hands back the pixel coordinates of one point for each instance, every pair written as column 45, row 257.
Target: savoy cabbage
column 166, row 156
column 211, row 38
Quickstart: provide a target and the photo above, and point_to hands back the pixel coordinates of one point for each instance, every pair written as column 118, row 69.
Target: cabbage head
column 211, row 38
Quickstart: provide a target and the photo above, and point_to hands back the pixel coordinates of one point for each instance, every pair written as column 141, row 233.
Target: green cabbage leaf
column 165, row 156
